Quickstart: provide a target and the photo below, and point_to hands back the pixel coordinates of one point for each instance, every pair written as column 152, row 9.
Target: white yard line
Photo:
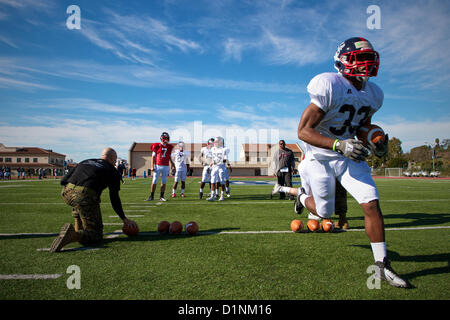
column 226, row 202
column 129, row 216
column 230, row 232
column 29, row 276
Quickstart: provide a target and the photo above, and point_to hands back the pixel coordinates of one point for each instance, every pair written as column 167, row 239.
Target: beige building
column 31, row 158
column 254, row 159
column 261, row 155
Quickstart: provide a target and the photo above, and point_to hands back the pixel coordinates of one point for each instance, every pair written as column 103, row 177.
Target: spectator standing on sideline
column 283, row 162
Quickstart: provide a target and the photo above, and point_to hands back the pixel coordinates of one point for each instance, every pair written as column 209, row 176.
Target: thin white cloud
column 8, row 41
column 23, row 85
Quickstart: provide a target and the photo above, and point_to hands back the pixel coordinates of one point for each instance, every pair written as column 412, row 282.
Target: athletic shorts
column 217, row 174
column 206, row 174
column 226, row 176
column 162, row 171
column 319, row 180
column 180, row 175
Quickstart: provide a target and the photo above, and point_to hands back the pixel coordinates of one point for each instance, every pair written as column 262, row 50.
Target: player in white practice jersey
column 180, row 158
column 340, row 104
column 219, row 157
column 205, row 158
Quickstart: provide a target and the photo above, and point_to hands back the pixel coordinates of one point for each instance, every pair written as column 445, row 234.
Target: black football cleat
column 298, row 206
column 385, row 272
column 150, row 198
column 200, row 196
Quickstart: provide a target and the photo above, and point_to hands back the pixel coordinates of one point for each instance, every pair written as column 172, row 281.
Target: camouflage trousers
column 85, row 205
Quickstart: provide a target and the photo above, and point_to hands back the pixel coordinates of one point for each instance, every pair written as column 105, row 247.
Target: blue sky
column 202, row 68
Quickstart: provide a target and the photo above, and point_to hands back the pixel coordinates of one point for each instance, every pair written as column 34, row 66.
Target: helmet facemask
column 356, row 58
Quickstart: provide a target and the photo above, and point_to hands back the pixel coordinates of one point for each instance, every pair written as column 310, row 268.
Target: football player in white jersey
column 225, row 166
column 205, row 158
column 217, row 165
column 340, row 104
column 180, row 158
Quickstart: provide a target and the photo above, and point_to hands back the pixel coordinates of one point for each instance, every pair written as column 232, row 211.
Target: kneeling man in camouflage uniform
column 83, row 187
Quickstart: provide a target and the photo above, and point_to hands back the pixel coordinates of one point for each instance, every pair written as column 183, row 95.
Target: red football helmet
column 356, row 57
column 165, row 138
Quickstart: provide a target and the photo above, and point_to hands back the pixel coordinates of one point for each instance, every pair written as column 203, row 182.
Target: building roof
column 29, row 151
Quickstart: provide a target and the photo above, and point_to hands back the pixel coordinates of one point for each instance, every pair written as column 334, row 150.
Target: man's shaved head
column 110, row 155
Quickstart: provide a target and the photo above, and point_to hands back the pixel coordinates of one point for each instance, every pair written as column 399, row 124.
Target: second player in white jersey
column 180, row 158
column 218, row 167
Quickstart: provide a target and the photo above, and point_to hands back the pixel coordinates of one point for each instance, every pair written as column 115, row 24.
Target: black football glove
column 352, row 149
column 380, row 149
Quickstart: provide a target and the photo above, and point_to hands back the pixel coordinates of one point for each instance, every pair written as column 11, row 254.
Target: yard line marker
column 71, row 249
column 143, row 206
column 138, row 216
column 224, row 232
column 114, row 234
column 27, row 234
column 139, row 210
column 29, row 276
column 226, row 202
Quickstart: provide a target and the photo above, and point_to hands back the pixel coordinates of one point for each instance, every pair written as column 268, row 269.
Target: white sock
column 201, row 190
column 313, row 217
column 378, row 250
column 227, row 189
column 285, row 189
column 303, row 198
column 221, row 193
column 173, row 191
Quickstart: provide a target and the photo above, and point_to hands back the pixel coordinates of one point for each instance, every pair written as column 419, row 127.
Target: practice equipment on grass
column 175, row 227
column 191, row 227
column 163, row 227
column 313, row 225
column 327, row 225
column 296, row 225
column 130, row 230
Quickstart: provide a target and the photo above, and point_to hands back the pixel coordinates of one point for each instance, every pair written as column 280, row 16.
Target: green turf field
column 224, row 261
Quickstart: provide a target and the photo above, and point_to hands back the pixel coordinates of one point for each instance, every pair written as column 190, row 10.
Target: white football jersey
column 206, row 155
column 346, row 109
column 219, row 154
column 180, row 159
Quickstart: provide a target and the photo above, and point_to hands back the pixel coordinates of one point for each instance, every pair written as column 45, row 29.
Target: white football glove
column 380, row 149
column 352, row 149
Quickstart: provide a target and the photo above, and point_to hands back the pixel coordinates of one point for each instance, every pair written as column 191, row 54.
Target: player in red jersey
column 160, row 164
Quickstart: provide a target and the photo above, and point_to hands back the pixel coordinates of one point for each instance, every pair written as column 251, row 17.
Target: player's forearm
column 314, row 138
column 116, row 203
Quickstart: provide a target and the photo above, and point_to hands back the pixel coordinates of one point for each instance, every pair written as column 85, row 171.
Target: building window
column 27, row 160
column 35, row 160
column 8, row 160
column 1, row 159
column 18, row 160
